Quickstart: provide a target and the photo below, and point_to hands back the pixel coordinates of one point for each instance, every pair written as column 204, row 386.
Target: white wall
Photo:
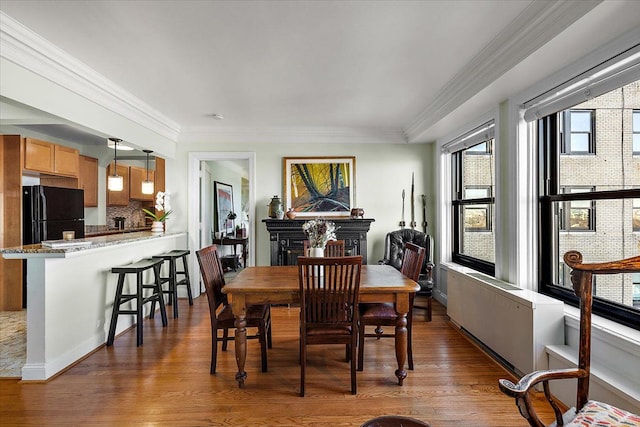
column 382, row 172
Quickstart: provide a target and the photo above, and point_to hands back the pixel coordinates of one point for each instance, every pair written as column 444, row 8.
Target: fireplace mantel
column 287, row 238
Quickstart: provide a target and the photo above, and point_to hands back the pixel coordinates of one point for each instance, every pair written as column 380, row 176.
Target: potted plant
column 160, row 215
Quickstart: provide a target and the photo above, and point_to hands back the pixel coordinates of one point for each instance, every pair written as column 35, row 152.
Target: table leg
column 244, row 254
column 240, row 312
column 401, row 340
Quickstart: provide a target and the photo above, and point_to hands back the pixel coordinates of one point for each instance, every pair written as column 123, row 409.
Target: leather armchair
column 394, row 251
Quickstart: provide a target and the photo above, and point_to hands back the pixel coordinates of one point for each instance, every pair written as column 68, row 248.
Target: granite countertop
column 95, row 242
column 104, row 231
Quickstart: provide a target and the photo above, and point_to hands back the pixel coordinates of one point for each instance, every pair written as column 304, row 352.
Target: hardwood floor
column 167, row 381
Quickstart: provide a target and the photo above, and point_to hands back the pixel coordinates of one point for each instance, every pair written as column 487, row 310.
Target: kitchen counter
column 40, row 251
column 105, row 231
column 70, row 293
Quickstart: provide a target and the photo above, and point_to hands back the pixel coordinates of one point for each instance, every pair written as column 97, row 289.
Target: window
column 577, row 215
column 472, row 205
column 477, row 217
column 636, row 132
column 577, row 132
column 482, row 148
column 573, row 188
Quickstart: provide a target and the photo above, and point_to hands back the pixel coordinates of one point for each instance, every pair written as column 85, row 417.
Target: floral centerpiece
column 319, row 232
column 162, row 208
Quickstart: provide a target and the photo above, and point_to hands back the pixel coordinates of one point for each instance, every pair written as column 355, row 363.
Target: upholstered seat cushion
column 603, row 415
column 374, row 311
column 346, row 330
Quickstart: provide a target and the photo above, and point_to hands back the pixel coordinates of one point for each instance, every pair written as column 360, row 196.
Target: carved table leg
column 402, row 307
column 240, row 313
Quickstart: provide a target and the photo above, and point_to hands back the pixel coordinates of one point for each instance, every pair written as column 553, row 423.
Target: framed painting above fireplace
column 319, row 186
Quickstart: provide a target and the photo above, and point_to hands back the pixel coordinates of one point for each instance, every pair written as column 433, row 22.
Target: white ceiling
column 391, row 68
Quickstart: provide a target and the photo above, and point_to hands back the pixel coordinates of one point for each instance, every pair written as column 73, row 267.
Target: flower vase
column 157, row 227
column 316, row 252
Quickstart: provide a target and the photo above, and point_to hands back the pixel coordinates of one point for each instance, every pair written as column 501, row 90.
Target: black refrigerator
column 48, row 211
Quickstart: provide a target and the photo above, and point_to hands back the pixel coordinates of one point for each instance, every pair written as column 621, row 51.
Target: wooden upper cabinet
column 66, row 161
column 136, row 176
column 88, row 180
column 159, row 177
column 119, row 198
column 46, row 157
column 39, row 155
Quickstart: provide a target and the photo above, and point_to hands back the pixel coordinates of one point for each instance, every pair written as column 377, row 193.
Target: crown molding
column 540, row 22
column 297, row 135
column 20, row 45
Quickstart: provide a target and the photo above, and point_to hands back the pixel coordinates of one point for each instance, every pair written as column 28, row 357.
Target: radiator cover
column 514, row 323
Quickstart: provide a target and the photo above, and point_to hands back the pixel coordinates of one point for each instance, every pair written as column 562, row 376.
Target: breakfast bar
column 70, row 293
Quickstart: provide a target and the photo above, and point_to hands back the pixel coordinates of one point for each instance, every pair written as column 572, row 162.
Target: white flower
column 319, row 232
column 162, row 205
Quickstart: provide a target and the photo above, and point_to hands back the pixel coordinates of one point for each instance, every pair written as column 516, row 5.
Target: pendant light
column 115, row 182
column 147, row 186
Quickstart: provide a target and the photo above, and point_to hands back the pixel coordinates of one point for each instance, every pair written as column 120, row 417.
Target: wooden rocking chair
column 587, row 412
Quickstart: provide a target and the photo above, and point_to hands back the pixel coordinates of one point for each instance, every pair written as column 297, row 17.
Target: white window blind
column 478, row 135
column 605, row 77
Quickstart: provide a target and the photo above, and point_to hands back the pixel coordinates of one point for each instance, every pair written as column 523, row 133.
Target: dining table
column 279, row 285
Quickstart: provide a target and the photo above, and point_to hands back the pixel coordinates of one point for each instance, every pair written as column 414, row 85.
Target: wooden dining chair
column 329, row 291
column 258, row 316
column 332, row 248
column 384, row 314
column 586, row 412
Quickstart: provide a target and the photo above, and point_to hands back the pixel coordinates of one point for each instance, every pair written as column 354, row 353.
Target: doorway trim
column 195, row 158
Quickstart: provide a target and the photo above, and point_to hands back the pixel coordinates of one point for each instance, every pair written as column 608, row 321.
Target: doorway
column 199, row 205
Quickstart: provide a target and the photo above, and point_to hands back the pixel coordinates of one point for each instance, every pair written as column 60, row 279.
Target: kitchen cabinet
column 136, row 176
column 46, row 157
column 160, row 174
column 119, row 198
column 38, row 155
column 66, row 161
column 10, row 221
column 88, row 180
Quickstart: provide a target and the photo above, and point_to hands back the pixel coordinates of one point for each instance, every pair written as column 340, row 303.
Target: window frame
column 549, row 192
column 566, row 140
column 458, row 203
column 565, row 218
column 635, row 133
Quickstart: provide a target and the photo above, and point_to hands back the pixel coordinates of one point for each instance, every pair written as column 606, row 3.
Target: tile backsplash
column 133, row 215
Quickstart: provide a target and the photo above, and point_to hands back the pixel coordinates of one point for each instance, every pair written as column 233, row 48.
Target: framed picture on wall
column 223, row 200
column 319, row 186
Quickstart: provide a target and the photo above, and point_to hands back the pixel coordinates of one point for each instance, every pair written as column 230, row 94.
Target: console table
column 234, row 241
column 287, row 238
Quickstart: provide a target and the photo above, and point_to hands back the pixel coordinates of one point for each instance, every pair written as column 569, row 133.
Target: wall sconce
column 115, row 182
column 147, row 186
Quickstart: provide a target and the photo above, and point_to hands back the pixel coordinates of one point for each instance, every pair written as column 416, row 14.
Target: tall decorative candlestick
column 413, row 212
column 402, row 220
column 424, row 213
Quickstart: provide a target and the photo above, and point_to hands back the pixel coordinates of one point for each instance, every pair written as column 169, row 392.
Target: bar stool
column 137, row 268
column 172, row 279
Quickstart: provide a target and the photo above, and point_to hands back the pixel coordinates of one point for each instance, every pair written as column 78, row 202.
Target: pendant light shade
column 147, row 186
column 115, row 182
